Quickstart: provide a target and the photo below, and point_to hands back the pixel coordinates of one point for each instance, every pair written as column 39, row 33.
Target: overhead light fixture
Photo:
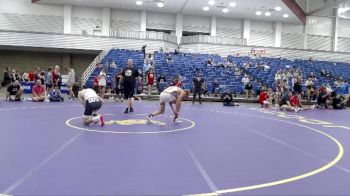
column 278, row 9
column 232, row 4
column 139, row 2
column 258, row 13
column 225, row 10
column 211, row 2
column 205, row 8
column 160, row 4
column 267, row 13
column 285, row 15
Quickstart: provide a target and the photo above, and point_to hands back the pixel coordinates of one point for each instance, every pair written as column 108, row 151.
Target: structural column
column 178, row 30
column 305, row 38
column 213, row 26
column 278, row 34
column 67, row 19
column 246, row 30
column 106, row 21
column 143, row 20
column 335, row 31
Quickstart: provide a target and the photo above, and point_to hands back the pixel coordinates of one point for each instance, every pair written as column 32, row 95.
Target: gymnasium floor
column 45, row 150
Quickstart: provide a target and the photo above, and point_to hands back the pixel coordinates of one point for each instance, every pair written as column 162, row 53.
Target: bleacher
column 186, row 65
column 120, row 57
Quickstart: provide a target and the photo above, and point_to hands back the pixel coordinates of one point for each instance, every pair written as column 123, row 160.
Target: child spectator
column 55, row 95
column 263, row 98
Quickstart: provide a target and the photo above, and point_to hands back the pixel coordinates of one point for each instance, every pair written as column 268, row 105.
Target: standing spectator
column 38, row 91
column 95, row 84
column 197, row 83
column 70, row 82
column 119, row 85
column 143, row 49
column 56, row 77
column 14, row 76
column 150, row 81
column 345, row 91
column 129, row 75
column 297, row 88
column 102, row 82
column 6, row 79
column 14, row 92
column 49, row 80
column 248, row 90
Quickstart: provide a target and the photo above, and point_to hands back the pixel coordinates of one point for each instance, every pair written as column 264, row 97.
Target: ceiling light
column 267, row 13
column 211, row 2
column 285, row 15
column 205, row 8
column 258, row 13
column 160, row 4
column 232, row 4
column 225, row 10
column 139, row 2
column 278, row 9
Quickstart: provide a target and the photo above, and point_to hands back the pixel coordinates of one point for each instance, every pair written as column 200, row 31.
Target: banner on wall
column 28, row 86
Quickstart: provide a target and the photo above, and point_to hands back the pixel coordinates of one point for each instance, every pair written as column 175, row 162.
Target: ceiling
column 243, row 8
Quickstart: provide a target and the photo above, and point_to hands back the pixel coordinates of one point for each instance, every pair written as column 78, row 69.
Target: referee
column 129, row 75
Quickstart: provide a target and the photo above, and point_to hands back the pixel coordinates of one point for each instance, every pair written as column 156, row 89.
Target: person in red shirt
column 295, row 102
column 95, row 84
column 31, row 76
column 150, row 80
column 38, row 91
column 263, row 99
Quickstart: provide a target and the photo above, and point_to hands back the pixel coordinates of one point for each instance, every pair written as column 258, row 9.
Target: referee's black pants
column 199, row 92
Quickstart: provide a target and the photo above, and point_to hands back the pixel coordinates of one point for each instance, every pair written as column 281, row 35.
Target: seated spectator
column 337, row 101
column 285, row 103
column 263, row 98
column 245, row 80
column 216, row 87
column 210, row 62
column 168, row 58
column 345, row 91
column 295, row 102
column 113, row 65
column 14, row 92
column 55, row 95
column 323, row 97
column 227, row 99
column 310, row 89
column 38, row 92
column 248, row 90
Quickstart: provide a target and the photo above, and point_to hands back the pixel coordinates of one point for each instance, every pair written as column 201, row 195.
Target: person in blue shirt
column 55, row 95
column 344, row 91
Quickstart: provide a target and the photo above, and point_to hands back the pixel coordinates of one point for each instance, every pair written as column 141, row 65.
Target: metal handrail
column 92, row 66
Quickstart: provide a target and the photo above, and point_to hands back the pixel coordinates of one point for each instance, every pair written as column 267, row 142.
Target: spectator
column 102, row 82
column 70, row 82
column 143, row 49
column 56, row 77
column 197, row 83
column 248, row 90
column 345, row 91
column 49, row 81
column 245, row 80
column 14, row 92
column 310, row 89
column 215, row 89
column 161, row 50
column 285, row 103
column 160, row 81
column 55, row 95
column 337, row 101
column 263, row 98
column 210, row 62
column 25, row 77
column 6, row 79
column 168, row 58
column 150, row 81
column 95, row 84
column 227, row 99
column 297, row 88
column 38, row 91
column 113, row 65
column 323, row 97
column 119, row 85
column 14, row 76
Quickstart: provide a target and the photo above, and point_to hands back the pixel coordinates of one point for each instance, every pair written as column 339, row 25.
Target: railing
column 151, row 35
column 92, row 66
column 212, row 40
